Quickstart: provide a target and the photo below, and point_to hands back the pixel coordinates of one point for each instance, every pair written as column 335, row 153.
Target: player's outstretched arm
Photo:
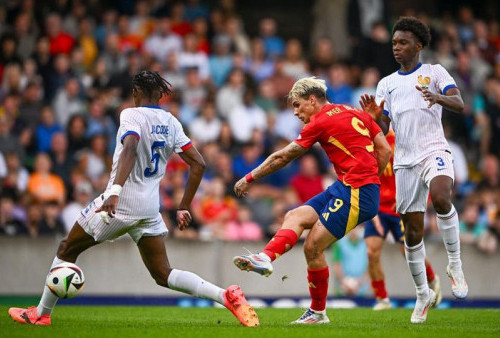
column 126, row 162
column 369, row 105
column 383, row 150
column 452, row 100
column 273, row 163
column 196, row 168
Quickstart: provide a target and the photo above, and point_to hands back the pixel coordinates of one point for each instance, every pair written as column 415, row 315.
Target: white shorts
column 412, row 184
column 93, row 224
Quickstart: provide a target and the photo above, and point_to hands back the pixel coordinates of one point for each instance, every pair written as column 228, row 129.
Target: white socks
column 48, row 300
column 194, row 285
column 415, row 256
column 448, row 226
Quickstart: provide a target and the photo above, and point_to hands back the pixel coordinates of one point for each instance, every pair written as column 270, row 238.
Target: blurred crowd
column 65, row 71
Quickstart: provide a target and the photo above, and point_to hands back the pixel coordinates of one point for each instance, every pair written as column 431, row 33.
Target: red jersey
column 388, row 182
column 346, row 134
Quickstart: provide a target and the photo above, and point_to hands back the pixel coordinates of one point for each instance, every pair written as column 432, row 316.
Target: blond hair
column 308, row 86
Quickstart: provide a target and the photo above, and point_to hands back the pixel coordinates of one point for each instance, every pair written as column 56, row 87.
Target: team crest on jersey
column 424, row 81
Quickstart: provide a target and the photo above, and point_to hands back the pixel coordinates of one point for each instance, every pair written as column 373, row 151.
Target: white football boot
column 435, row 286
column 313, row 317
column 382, row 304
column 255, row 263
column 422, row 306
column 459, row 287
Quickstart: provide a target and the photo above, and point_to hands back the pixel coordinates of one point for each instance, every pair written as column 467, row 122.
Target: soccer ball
column 65, row 280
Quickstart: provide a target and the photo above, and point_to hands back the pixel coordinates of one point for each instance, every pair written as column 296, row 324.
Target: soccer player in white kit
column 147, row 137
column 412, row 99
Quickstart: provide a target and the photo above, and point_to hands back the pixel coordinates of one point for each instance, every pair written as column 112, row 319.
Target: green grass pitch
column 155, row 321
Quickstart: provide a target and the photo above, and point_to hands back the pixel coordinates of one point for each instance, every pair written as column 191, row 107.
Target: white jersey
column 159, row 134
column 418, row 129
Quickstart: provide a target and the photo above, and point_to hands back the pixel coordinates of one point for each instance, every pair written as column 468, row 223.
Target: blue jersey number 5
column 155, row 157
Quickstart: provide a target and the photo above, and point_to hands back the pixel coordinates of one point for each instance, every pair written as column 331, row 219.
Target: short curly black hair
column 414, row 25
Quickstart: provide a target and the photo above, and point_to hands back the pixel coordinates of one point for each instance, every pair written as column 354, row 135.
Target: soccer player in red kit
column 357, row 148
column 376, row 231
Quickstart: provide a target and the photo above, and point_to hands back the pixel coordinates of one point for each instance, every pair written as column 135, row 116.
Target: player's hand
column 183, row 218
column 428, row 96
column 241, row 187
column 108, row 208
column 369, row 105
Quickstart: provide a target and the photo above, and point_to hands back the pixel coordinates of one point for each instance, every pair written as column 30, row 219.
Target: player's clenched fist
column 108, row 208
column 183, row 218
column 241, row 187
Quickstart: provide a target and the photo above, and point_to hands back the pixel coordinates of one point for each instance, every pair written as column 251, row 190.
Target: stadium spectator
column 350, row 264
column 31, row 104
column 75, row 131
column 180, row 26
column 193, row 95
column 60, row 41
column 10, row 223
column 16, row 178
column 294, row 64
column 128, row 40
column 100, row 123
column 62, row 160
column 192, row 57
column 243, row 229
column 339, row 90
column 488, row 243
column 238, row 38
column 26, row 31
column 323, row 56
column 280, row 80
column 217, row 209
column 369, row 79
column 8, row 141
column 46, row 128
column 221, row 61
column 230, row 95
column 68, row 102
column 206, row 127
column 246, row 118
column 259, row 65
column 200, row 30
column 308, row 182
column 95, row 160
column 43, row 185
column 274, row 45
column 81, row 198
column 164, row 41
column 474, row 222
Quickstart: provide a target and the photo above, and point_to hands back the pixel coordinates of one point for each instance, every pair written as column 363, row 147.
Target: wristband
column 249, row 178
column 115, row 190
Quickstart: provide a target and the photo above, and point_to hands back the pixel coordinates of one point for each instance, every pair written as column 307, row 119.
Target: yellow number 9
column 337, row 204
column 359, row 126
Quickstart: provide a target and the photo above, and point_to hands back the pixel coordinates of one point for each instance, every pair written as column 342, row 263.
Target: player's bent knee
column 311, row 251
column 441, row 203
column 161, row 276
column 373, row 254
column 413, row 235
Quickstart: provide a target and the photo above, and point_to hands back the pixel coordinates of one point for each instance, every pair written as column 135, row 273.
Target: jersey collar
column 410, row 71
column 154, row 107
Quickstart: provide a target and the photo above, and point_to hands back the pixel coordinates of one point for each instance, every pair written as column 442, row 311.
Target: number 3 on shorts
column 440, row 161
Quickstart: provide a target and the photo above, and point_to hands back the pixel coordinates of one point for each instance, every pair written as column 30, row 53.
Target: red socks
column 430, row 273
column 379, row 289
column 318, row 287
column 283, row 241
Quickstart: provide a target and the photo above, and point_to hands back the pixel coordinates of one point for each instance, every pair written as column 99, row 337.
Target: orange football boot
column 235, row 301
column 28, row 316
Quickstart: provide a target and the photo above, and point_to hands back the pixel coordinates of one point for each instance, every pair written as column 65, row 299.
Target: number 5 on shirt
column 155, row 157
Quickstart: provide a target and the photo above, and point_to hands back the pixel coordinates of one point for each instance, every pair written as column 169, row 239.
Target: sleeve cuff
column 386, row 113
column 187, row 146
column 130, row 132
column 445, row 89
